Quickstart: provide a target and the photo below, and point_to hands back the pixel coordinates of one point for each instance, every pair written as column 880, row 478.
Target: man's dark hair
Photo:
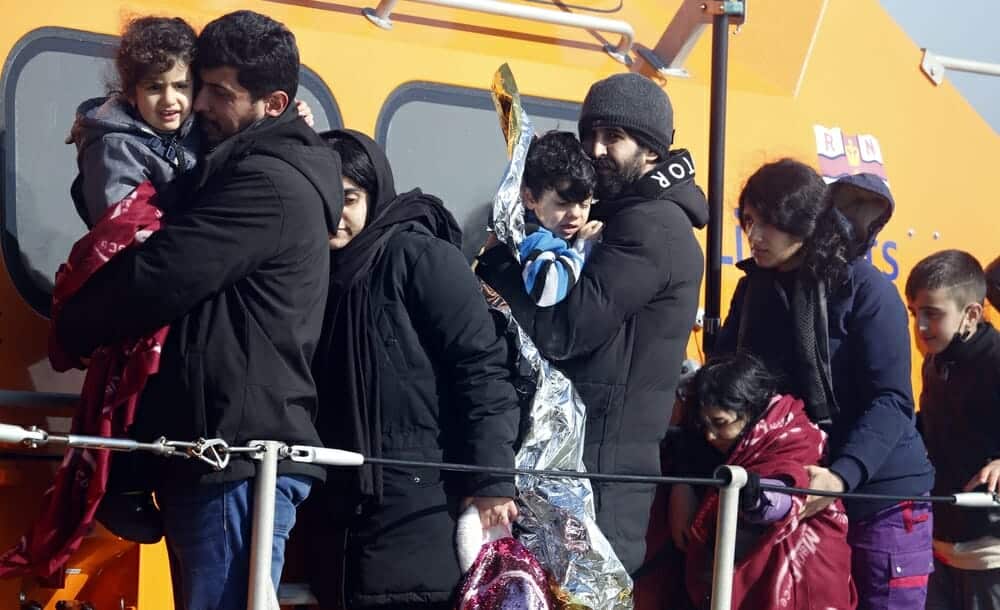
column 356, row 165
column 955, row 271
column 739, row 382
column 151, row 46
column 556, row 161
column 262, row 51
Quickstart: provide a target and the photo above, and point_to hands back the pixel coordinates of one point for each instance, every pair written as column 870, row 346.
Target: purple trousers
column 892, row 557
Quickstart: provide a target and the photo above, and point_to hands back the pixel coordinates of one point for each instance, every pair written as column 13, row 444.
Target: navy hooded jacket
column 874, row 444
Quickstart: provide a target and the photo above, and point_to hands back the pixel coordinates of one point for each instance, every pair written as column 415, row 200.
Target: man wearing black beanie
column 622, row 331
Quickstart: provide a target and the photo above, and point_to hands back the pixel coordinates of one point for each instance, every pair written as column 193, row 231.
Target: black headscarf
column 347, row 363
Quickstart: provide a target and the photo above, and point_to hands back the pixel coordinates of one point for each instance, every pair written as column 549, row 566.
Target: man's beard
column 613, row 181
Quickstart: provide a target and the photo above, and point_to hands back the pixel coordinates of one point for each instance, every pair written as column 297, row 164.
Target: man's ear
column 649, row 157
column 275, row 103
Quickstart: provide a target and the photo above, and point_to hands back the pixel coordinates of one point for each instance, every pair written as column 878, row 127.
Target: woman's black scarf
column 347, row 371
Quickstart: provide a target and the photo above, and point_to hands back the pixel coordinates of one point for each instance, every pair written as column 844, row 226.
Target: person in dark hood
column 815, row 309
column 411, row 366
column 620, row 334
column 239, row 271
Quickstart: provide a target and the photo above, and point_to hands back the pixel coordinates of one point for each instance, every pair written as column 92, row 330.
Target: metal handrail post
column 260, row 590
column 725, row 536
column 381, row 15
column 712, row 322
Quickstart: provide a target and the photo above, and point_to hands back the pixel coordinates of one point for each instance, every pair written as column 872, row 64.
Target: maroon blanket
column 794, row 564
column 115, row 377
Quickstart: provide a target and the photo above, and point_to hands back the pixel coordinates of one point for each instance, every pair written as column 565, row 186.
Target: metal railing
column 261, row 592
column 382, row 17
column 935, row 66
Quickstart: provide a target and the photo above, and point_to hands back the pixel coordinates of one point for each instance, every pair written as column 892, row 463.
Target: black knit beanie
column 634, row 103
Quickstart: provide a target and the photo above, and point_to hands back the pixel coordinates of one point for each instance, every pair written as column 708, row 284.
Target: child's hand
column 988, row 476
column 305, row 112
column 590, row 231
column 683, row 505
column 494, row 510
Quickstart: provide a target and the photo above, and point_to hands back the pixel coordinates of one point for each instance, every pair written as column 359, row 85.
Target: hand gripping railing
column 261, row 594
column 382, row 17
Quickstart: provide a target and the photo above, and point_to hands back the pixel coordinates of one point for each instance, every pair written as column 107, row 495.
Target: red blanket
column 794, row 564
column 115, row 377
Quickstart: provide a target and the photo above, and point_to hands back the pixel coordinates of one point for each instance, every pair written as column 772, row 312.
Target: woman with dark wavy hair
column 814, row 308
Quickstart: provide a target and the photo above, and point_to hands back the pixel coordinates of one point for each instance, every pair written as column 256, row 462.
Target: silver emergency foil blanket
column 557, row 515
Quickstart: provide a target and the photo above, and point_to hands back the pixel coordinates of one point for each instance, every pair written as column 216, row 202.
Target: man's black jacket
column 621, row 333
column 240, row 273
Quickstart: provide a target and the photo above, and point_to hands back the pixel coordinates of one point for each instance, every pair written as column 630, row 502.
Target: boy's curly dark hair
column 262, row 50
column 151, row 46
column 556, row 161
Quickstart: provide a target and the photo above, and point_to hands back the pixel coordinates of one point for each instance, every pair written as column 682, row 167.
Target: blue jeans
column 208, row 533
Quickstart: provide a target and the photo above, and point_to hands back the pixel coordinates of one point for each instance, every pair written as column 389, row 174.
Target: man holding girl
column 239, row 271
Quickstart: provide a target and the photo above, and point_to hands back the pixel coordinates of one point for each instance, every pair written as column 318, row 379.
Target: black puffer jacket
column 621, row 333
column 960, row 417
column 444, row 395
column 240, row 273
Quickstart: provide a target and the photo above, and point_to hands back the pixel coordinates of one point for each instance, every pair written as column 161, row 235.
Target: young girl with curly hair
column 144, row 129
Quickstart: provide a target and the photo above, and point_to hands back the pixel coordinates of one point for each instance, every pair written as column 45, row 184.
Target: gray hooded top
column 117, row 151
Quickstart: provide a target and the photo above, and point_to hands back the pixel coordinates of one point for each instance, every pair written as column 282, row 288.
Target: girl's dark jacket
column 874, row 443
column 442, row 392
column 239, row 271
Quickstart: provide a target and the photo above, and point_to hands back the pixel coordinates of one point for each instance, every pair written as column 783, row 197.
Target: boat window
column 48, row 73
column 447, row 141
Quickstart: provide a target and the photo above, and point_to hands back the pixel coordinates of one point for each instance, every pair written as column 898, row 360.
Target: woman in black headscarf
column 411, row 365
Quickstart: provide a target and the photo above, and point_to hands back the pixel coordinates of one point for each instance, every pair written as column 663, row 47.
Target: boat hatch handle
column 686, row 27
column 934, row 66
column 382, row 17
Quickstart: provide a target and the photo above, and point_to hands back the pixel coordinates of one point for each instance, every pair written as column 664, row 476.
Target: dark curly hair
column 738, row 382
column 151, row 46
column 556, row 161
column 787, row 195
column 262, row 50
column 790, row 196
column 831, row 248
